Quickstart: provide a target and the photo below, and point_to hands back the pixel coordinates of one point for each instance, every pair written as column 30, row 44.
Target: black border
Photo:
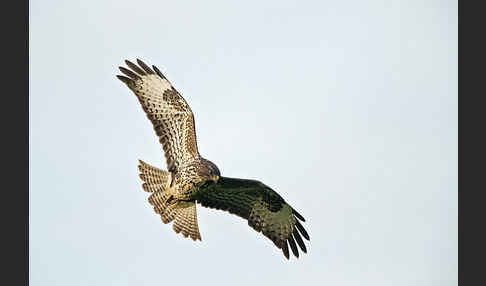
column 15, row 136
column 471, row 143
column 460, row 87
column 460, row 145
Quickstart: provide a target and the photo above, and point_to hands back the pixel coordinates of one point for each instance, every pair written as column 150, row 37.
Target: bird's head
column 209, row 171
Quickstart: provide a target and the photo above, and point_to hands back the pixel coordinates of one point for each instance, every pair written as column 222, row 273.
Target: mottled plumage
column 191, row 179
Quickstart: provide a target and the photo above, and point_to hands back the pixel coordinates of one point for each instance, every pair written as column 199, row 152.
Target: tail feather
column 167, row 213
column 186, row 221
column 156, row 179
column 183, row 214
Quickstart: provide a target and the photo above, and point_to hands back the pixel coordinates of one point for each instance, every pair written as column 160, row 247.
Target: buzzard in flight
column 191, row 179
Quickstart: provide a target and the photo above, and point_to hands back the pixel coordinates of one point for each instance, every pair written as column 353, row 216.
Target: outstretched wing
column 169, row 113
column 265, row 210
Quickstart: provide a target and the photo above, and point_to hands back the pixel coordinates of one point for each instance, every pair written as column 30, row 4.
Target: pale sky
column 348, row 109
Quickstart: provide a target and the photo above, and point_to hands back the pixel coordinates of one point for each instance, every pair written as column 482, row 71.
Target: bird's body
column 192, row 179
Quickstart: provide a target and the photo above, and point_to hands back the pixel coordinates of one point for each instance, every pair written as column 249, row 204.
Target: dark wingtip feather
column 285, row 249
column 302, row 230
column 299, row 216
column 134, row 67
column 159, row 73
column 129, row 73
column 293, row 246
column 125, row 79
column 129, row 63
column 145, row 67
column 299, row 240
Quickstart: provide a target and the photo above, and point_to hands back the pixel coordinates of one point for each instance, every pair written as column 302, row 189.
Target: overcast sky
column 348, row 109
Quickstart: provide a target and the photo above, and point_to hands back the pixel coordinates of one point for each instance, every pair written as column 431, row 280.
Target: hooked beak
column 215, row 178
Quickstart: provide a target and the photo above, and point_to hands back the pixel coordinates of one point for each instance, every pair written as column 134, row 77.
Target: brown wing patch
column 190, row 140
column 172, row 97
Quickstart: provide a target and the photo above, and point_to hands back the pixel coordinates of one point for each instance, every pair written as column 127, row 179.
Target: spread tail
column 184, row 215
column 186, row 220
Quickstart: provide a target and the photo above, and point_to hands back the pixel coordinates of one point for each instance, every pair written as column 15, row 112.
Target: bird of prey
column 192, row 179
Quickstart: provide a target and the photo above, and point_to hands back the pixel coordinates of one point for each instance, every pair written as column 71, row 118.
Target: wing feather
column 134, row 67
column 265, row 210
column 171, row 116
column 299, row 240
column 293, row 246
column 145, row 67
column 129, row 73
column 158, row 72
column 302, row 230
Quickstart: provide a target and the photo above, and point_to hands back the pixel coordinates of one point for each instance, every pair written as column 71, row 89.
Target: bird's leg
column 171, row 196
column 177, row 194
column 171, row 200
